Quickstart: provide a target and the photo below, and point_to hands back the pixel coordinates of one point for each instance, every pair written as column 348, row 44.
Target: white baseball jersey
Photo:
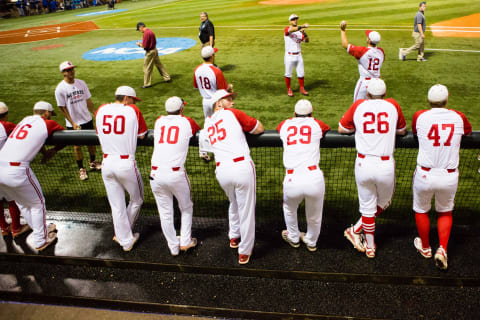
column 118, row 127
column 208, row 78
column 27, row 139
column 74, row 98
column 293, row 41
column 375, row 123
column 225, row 129
column 5, row 129
column 370, row 60
column 301, row 141
column 439, row 133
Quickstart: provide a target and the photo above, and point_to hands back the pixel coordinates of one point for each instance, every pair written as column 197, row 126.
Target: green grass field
column 251, row 51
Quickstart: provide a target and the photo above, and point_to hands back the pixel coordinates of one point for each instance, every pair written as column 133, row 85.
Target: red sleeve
column 347, row 119
column 325, row 127
column 53, row 126
column 401, row 123
column 221, row 82
column 194, row 78
column 279, row 127
column 467, row 127
column 8, row 126
column 142, row 126
column 285, row 32
column 414, row 120
column 355, row 51
column 195, row 127
column 247, row 123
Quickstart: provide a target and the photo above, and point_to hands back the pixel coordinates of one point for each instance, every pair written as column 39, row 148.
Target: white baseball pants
column 294, row 61
column 360, row 90
column 238, row 180
column 120, row 175
column 19, row 183
column 434, row 182
column 207, row 107
column 375, row 183
column 309, row 185
column 167, row 184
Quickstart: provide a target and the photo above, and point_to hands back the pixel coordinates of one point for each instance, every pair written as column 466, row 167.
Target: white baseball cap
column 65, row 65
column 208, row 51
column 174, row 104
column 438, row 93
column 374, row 36
column 43, row 105
column 292, row 16
column 303, row 107
column 127, row 91
column 376, row 87
column 222, row 93
column 3, row 108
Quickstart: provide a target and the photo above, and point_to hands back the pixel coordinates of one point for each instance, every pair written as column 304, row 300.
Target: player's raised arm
column 343, row 34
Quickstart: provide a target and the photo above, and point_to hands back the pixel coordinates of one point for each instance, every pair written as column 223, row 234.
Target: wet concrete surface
column 336, row 280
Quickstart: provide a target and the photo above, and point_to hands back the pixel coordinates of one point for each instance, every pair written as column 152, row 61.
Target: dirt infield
column 464, row 27
column 48, row 47
column 46, row 32
column 290, row 2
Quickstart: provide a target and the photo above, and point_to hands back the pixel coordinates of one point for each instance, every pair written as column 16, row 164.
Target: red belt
column 294, row 53
column 311, row 168
column 15, row 164
column 384, row 158
column 234, row 160
column 368, row 78
column 173, row 169
column 428, row 169
column 123, row 156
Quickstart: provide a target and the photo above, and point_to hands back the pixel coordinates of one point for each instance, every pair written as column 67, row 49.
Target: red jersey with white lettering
column 225, row 130
column 301, row 141
column 370, row 60
column 293, row 41
column 375, row 123
column 118, row 127
column 28, row 137
column 5, row 129
column 172, row 135
column 207, row 78
column 439, row 133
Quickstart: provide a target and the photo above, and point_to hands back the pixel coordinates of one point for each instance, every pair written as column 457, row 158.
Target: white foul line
column 454, row 50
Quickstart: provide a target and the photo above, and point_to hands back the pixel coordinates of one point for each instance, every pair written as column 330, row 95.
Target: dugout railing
column 66, row 193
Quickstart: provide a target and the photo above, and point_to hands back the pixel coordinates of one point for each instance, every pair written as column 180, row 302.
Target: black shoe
column 145, row 87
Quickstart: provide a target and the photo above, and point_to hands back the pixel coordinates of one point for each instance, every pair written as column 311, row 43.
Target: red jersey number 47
column 434, row 133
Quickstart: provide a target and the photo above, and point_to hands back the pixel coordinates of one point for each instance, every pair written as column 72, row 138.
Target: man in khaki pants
column 418, row 34
column 149, row 43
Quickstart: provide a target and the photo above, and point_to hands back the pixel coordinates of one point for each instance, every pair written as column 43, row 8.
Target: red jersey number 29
column 216, row 132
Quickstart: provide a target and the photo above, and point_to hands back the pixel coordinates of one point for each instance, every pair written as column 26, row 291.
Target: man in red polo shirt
column 149, row 43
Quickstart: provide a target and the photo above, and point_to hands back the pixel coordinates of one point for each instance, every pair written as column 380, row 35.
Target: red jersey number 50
column 117, row 124
column 216, row 132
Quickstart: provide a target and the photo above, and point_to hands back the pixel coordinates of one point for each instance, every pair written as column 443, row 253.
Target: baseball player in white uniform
column 303, row 179
column 375, row 122
column 294, row 35
column 18, row 182
column 235, row 169
column 16, row 229
column 168, row 177
column 370, row 59
column 439, row 131
column 119, row 124
column 73, row 99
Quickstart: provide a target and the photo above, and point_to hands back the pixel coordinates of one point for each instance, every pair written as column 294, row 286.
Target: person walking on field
column 419, row 26
column 206, row 31
column 73, row 99
column 149, row 44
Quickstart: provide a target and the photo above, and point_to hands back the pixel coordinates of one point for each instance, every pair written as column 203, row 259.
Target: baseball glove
column 343, row 25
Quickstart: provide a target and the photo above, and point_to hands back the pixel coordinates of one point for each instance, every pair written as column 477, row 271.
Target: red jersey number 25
column 216, row 132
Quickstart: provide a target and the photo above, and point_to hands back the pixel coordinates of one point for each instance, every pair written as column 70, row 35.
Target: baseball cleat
column 234, row 243
column 441, row 258
column 290, row 92
column 309, row 248
column 287, row 240
column 193, row 243
column 303, row 91
column 370, row 252
column 400, row 55
column 205, row 157
column 425, row 252
column 23, row 228
column 83, row 174
column 422, row 60
column 51, row 237
column 95, row 165
column 243, row 258
column 6, row 231
column 136, row 235
column 355, row 239
column 145, row 87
